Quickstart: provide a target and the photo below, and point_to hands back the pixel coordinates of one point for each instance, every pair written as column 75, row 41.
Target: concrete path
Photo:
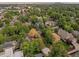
column 76, row 46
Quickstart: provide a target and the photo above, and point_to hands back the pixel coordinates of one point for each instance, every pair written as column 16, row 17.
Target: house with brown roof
column 33, row 33
column 55, row 37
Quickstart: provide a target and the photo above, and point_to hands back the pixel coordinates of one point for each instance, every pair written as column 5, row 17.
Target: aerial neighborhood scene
column 39, row 30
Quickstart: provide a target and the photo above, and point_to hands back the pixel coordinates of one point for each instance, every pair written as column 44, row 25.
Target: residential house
column 55, row 37
column 65, row 36
column 14, row 20
column 75, row 33
column 46, row 51
column 18, row 54
column 68, row 37
column 9, row 50
column 23, row 11
column 50, row 23
column 33, row 33
column 39, row 55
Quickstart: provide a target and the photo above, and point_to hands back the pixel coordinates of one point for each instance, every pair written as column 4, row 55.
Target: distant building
column 23, row 12
column 2, row 10
column 1, row 14
column 17, row 8
column 8, row 7
column 50, row 23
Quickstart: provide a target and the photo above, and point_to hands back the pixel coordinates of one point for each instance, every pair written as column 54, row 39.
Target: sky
column 39, row 0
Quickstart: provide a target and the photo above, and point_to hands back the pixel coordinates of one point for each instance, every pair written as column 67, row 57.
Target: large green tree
column 47, row 34
column 23, row 18
column 30, row 48
column 58, row 50
column 2, row 38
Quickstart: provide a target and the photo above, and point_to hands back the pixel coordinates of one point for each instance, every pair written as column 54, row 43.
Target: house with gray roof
column 75, row 33
column 65, row 36
column 68, row 37
column 50, row 23
column 46, row 51
column 9, row 50
column 39, row 55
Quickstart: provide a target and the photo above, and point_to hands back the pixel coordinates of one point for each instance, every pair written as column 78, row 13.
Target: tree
column 68, row 27
column 33, row 19
column 47, row 34
column 1, row 23
column 23, row 18
column 34, row 11
column 21, row 28
column 7, row 21
column 42, row 44
column 10, row 14
column 30, row 48
column 58, row 50
column 2, row 38
column 54, row 15
column 45, row 18
column 9, row 30
column 65, row 24
column 75, row 26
